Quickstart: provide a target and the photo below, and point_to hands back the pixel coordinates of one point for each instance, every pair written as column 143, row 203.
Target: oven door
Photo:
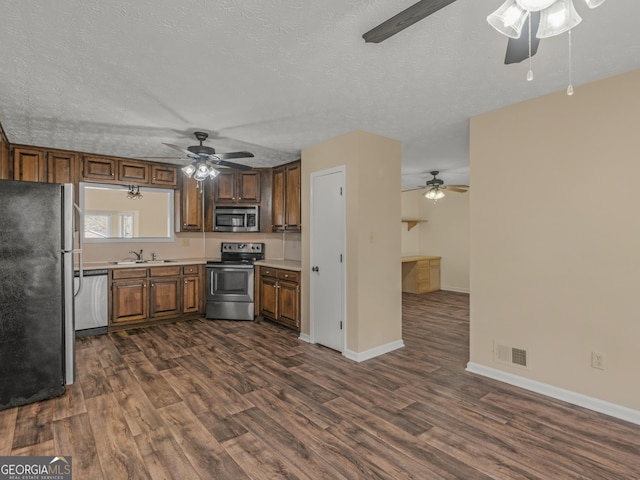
column 230, row 283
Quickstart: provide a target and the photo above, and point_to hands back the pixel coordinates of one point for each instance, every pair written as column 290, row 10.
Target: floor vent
column 514, row 356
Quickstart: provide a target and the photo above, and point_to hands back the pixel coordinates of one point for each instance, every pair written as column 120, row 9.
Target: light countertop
column 294, row 265
column 274, row 263
column 417, row 258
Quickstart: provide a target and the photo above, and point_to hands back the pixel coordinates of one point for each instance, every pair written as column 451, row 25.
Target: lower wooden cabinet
column 420, row 274
column 279, row 294
column 141, row 295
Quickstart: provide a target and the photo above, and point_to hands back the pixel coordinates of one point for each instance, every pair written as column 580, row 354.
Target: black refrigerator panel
column 31, row 293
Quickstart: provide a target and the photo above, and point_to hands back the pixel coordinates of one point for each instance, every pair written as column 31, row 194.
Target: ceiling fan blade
column 229, row 155
column 518, row 48
column 237, row 166
column 412, row 189
column 458, row 188
column 404, row 19
column 182, row 150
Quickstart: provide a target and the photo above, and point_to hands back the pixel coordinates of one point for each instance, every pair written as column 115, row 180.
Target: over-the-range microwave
column 236, row 218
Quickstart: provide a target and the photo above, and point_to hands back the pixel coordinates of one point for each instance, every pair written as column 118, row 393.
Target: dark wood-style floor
column 234, row 400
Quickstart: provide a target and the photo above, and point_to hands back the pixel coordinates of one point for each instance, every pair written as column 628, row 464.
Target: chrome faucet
column 138, row 255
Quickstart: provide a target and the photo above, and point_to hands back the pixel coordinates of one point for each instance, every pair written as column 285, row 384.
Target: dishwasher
column 91, row 303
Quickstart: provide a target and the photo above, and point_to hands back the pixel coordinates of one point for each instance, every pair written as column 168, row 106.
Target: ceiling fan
column 436, row 184
column 204, row 153
column 517, row 48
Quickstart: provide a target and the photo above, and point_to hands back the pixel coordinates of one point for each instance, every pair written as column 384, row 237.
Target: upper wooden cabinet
column 189, row 200
column 100, row 169
column 285, row 205
column 96, row 168
column 164, row 175
column 132, row 171
column 61, row 167
column 29, row 165
column 41, row 165
column 237, row 186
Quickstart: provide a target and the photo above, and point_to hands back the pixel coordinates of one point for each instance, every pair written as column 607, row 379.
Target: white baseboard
column 454, row 289
column 608, row 408
column 304, row 337
column 373, row 352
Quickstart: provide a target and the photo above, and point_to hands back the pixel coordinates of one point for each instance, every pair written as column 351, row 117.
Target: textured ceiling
column 122, row 77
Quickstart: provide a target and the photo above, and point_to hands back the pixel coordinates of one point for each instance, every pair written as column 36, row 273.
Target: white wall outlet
column 185, row 242
column 597, row 360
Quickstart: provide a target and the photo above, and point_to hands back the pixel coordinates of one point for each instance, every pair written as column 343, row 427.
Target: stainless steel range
column 230, row 281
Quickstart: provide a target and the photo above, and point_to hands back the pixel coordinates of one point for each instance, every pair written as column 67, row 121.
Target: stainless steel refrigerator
column 36, row 291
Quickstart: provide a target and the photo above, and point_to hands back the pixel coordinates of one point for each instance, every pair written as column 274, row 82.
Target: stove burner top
column 232, row 253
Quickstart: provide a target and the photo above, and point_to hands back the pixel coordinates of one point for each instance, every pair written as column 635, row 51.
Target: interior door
column 327, row 233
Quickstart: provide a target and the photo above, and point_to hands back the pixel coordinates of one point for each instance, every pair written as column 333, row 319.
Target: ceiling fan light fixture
column 508, row 19
column 434, row 193
column 213, row 173
column 557, row 19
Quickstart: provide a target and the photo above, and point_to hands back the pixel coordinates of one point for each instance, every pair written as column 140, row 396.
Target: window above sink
column 110, row 216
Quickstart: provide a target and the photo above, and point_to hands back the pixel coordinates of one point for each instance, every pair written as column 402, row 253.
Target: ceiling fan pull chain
column 570, row 87
column 530, row 72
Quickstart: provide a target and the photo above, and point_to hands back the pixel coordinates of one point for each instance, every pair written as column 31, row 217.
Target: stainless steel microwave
column 237, row 218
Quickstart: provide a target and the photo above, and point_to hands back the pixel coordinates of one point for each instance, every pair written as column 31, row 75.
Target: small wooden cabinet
column 237, row 186
column 132, row 171
column 99, row 169
column 29, row 165
column 279, row 294
column 141, row 295
column 164, row 175
column 420, row 274
column 285, row 205
column 61, row 167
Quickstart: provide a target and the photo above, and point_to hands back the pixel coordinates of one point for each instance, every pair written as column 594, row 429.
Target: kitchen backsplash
column 195, row 245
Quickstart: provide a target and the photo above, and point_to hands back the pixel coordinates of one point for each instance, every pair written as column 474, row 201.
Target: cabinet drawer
column 269, row 272
column 129, row 273
column 164, row 271
column 288, row 275
column 190, row 269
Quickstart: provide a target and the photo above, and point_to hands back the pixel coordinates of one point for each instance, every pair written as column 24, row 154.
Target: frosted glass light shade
column 534, row 5
column 188, row 170
column 508, row 19
column 213, row 173
column 594, row 3
column 558, row 18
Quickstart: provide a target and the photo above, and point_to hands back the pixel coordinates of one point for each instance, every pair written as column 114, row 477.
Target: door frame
column 343, row 271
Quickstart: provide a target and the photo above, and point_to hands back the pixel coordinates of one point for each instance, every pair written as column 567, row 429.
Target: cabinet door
column 292, row 197
column 190, row 294
column 99, row 168
column 134, row 172
column 29, row 165
column 248, row 187
column 225, row 188
column 278, row 198
column 166, row 176
column 191, row 206
column 61, row 167
column 288, row 303
column 269, row 297
column 129, row 300
column 164, row 297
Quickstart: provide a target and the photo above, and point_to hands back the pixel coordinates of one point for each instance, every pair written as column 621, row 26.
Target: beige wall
column 555, row 237
column 444, row 234
column 374, row 301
